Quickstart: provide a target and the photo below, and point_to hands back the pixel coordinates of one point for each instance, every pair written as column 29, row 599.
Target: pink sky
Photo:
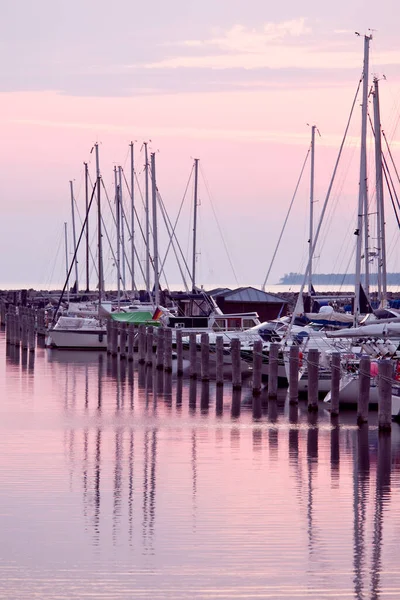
column 237, row 95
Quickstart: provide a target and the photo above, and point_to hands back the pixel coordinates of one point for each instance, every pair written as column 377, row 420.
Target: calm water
column 117, row 484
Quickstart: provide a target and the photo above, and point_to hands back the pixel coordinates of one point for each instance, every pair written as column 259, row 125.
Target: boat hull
column 77, row 340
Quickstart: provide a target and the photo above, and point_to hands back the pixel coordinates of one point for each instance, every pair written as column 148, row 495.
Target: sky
column 234, row 84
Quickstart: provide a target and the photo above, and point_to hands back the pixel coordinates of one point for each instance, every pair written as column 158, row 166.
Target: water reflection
column 179, row 497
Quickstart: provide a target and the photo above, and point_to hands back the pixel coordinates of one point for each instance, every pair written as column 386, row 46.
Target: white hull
column 348, row 392
column 79, row 339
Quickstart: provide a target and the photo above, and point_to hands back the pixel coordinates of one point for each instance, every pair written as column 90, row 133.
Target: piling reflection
column 236, row 403
column 115, row 456
column 360, row 498
column 382, row 498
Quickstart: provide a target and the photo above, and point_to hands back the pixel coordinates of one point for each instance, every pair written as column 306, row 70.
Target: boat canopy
column 139, row 318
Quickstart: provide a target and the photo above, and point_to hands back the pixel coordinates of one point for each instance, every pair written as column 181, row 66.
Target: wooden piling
column 114, row 337
column 273, row 370
column 17, row 330
column 257, row 366
column 24, row 333
column 142, row 344
column 294, row 374
column 205, row 357
column 122, row 340
column 160, row 349
column 236, row 364
column 335, row 383
column 179, row 352
column 193, row 355
column 149, row 345
column 168, row 350
column 131, row 341
column 109, row 336
column 364, row 384
column 385, row 382
column 313, row 375
column 219, row 356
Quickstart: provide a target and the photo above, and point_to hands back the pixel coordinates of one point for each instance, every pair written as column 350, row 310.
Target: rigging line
column 286, row 219
column 177, row 218
column 74, row 258
column 136, row 214
column 218, row 225
column 391, row 157
column 384, row 164
column 170, row 224
column 391, row 195
column 90, row 250
column 321, row 218
column 56, row 258
column 115, row 223
column 166, row 217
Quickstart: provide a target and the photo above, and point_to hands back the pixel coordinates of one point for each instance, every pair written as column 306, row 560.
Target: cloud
column 282, row 45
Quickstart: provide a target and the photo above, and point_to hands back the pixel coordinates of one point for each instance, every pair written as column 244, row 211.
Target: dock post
column 109, row 336
column 294, row 374
column 168, row 350
column 205, row 357
column 160, row 349
column 24, row 333
column 31, row 334
column 142, row 344
column 236, row 364
column 364, row 383
column 385, row 381
column 257, row 365
column 149, row 345
column 131, row 341
column 219, row 351
column 122, row 340
column 335, row 383
column 313, row 374
column 114, row 347
column 179, row 352
column 193, row 355
column 273, row 370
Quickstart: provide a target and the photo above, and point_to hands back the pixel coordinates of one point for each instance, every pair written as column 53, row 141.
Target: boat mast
column 196, row 174
column 310, row 241
column 118, row 224
column 74, row 235
column 99, row 241
column 362, row 194
column 132, row 219
column 155, row 240
column 380, row 207
column 122, row 217
column 146, row 175
column 87, row 223
column 66, row 258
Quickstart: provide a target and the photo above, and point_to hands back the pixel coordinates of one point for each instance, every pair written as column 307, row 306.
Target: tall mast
column 99, row 240
column 122, row 217
column 87, row 223
column 311, row 234
column 118, row 224
column 380, row 207
column 196, row 174
column 362, row 194
column 66, row 258
column 155, row 240
column 146, row 173
column 132, row 218
column 74, row 235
